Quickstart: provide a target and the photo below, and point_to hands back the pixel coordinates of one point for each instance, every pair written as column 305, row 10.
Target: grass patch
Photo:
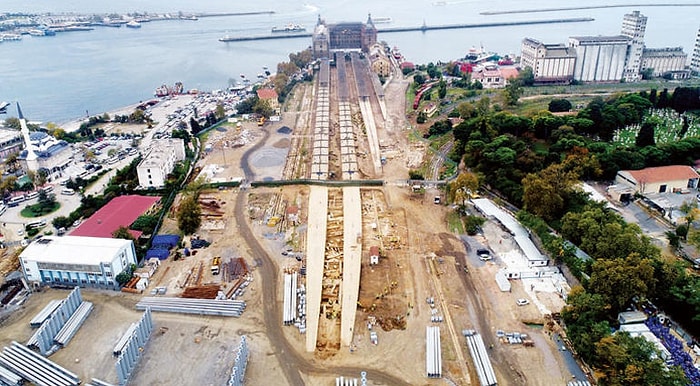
column 38, row 210
column 454, row 222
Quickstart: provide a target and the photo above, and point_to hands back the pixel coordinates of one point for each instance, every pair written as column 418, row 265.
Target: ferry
column 381, row 20
column 289, row 28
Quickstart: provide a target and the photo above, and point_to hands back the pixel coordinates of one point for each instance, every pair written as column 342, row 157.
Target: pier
column 422, row 28
column 581, row 8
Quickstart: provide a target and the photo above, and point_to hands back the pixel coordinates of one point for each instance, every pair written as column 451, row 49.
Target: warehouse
column 77, row 261
column 662, row 179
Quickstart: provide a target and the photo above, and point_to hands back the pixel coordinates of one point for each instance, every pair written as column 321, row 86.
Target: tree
column 194, row 126
column 13, row 123
column 559, row 105
column 419, row 79
column 220, row 111
column 460, row 190
column 619, row 280
column 645, row 137
column 512, row 93
column 122, row 233
column 188, row 214
column 526, row 77
column 442, row 89
column 472, row 224
column 263, row 108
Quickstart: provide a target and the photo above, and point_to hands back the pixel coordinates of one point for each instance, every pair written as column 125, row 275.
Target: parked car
column 484, row 254
column 522, row 302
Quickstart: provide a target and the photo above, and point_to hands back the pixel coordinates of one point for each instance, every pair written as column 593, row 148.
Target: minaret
column 31, row 156
column 695, row 59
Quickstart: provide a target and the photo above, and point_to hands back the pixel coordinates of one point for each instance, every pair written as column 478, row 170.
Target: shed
column 373, row 255
column 629, row 317
column 662, row 179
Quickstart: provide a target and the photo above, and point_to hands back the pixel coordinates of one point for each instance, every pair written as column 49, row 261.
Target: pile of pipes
column 433, row 357
column 289, row 314
column 345, row 381
column 59, row 323
column 134, row 347
column 9, row 378
column 35, row 368
column 482, row 363
column 97, row 382
column 193, row 306
column 238, row 370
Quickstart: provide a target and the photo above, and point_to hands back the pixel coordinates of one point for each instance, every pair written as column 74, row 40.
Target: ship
column 164, row 90
column 381, row 19
column 133, row 24
column 289, row 28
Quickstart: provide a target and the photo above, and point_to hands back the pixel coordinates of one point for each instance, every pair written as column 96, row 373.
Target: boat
column 3, row 107
column 133, row 24
column 381, row 20
column 289, row 28
column 8, row 37
column 243, row 76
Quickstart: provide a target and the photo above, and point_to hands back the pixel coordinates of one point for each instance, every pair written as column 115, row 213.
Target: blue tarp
column 161, row 254
column 165, row 241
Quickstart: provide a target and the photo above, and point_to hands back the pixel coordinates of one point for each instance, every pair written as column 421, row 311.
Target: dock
column 422, row 28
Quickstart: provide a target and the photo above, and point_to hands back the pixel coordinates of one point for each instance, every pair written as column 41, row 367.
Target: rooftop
column 663, row 173
column 267, row 93
column 73, row 250
column 121, row 211
column 602, row 39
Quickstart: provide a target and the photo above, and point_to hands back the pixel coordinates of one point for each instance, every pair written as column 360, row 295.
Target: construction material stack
column 433, row 358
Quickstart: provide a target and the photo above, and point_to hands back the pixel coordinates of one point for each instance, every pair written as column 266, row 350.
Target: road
column 292, row 363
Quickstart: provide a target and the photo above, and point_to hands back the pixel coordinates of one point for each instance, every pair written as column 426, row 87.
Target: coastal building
column 10, row 142
column 550, row 63
column 121, row 211
column 695, row 59
column 662, row 179
column 599, row 58
column 160, row 160
column 328, row 38
column 77, row 261
column 633, row 26
column 379, row 60
column 42, row 151
column 664, row 60
column 270, row 96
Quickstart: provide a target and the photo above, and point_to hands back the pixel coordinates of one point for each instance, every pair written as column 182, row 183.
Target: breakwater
column 581, row 8
column 420, row 28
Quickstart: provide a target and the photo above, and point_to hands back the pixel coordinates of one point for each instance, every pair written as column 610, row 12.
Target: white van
column 47, row 189
column 31, row 195
column 68, row 192
column 14, row 201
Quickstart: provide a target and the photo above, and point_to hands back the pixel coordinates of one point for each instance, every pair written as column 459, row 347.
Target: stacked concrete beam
column 73, row 324
column 35, row 368
column 433, row 355
column 193, row 306
column 43, row 338
column 480, row 356
column 134, row 348
column 289, row 313
column 238, row 370
column 9, row 378
column 45, row 313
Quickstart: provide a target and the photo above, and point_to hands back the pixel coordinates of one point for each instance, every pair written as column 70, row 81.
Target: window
column 108, row 274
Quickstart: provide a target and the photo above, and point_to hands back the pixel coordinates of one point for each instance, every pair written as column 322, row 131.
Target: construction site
column 350, row 273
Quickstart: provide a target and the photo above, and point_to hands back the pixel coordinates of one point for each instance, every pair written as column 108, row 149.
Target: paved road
column 292, row 363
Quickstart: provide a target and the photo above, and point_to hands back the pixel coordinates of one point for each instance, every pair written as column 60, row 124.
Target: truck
column 215, row 265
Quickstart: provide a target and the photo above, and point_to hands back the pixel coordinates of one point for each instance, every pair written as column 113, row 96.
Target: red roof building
column 269, row 95
column 661, row 179
column 121, row 211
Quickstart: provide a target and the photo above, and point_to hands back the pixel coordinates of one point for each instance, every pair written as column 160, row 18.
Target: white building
column 633, row 26
column 695, row 59
column 664, row 60
column 77, row 261
column 42, row 151
column 550, row 63
column 599, row 58
column 153, row 170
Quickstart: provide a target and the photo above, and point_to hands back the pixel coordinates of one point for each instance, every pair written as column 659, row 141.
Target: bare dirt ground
column 422, row 259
